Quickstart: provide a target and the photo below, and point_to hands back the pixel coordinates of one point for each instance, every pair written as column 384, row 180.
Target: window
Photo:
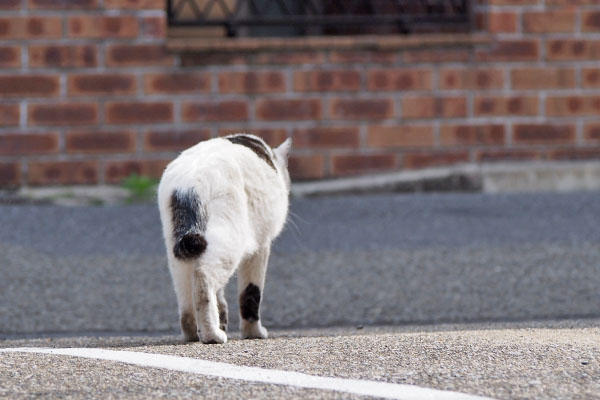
column 259, row 18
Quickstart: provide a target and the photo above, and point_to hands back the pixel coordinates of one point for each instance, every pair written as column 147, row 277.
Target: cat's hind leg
column 251, row 281
column 209, row 280
column 223, row 311
column 181, row 274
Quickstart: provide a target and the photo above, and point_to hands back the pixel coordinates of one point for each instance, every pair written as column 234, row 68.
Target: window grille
column 321, row 17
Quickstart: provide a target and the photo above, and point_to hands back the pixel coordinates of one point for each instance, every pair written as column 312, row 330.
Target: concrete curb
column 488, row 178
column 67, row 195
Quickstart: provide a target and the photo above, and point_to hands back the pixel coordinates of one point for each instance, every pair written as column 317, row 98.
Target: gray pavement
column 347, row 260
column 413, row 283
column 503, row 361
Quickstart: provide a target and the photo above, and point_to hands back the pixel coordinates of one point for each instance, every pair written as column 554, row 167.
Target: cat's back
column 236, row 178
column 210, row 163
column 219, row 165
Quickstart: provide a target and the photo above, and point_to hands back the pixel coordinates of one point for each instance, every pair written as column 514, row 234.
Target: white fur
column 246, row 203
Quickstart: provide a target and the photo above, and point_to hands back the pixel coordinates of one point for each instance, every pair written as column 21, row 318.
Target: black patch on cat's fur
column 189, row 224
column 250, row 302
column 255, row 145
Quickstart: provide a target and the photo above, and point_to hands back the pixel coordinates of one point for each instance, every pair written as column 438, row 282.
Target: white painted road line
column 253, row 374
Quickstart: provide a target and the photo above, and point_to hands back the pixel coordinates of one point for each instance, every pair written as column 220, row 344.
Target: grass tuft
column 141, row 188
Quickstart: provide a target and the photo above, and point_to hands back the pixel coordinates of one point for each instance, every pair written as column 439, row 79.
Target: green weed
column 141, row 188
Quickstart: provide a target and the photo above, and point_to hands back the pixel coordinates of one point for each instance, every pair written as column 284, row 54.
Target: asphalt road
column 503, row 361
column 388, row 270
column 349, row 260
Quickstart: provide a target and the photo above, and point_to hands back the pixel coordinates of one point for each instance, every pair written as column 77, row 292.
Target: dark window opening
column 256, row 18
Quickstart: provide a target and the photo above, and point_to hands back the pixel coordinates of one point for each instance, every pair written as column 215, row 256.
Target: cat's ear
column 283, row 151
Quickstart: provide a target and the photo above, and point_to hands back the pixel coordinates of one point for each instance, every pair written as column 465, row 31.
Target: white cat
column 222, row 202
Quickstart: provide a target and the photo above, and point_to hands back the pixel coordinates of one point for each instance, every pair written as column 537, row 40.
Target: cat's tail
column 189, row 224
column 191, row 245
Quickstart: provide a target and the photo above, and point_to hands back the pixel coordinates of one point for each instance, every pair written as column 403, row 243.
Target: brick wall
column 89, row 94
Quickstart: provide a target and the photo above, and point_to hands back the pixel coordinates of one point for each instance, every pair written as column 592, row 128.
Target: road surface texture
column 353, row 260
column 408, row 262
column 559, row 361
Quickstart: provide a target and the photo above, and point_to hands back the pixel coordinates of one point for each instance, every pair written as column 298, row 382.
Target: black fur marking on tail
column 258, row 147
column 189, row 224
column 250, row 302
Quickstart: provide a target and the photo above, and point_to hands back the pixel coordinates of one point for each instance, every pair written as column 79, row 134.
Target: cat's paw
column 216, row 337
column 254, row 330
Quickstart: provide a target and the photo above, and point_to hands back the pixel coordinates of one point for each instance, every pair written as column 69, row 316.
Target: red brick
column 306, row 167
column 472, row 135
column 400, row 79
column 323, row 81
column 481, row 21
column 289, row 58
column 155, row 27
column 63, row 114
column 543, row 134
column 353, row 109
column 101, row 84
column 184, row 82
column 135, row 4
column 362, row 57
column 572, row 49
column 509, row 2
column 563, row 106
column 63, row 4
column 251, row 82
column 549, row 21
column 326, row 137
column 205, row 59
column 511, row 50
column 432, row 107
column 22, row 144
column 400, row 136
column 30, row 27
column 436, row 56
column 592, row 132
column 62, row 173
column 502, row 22
column 173, row 140
column 433, row 159
column 63, row 56
column 273, row 136
column 362, row 163
column 29, row 86
column 571, row 2
column 117, row 171
column 590, row 77
column 10, row 56
column 506, row 155
column 136, row 112
column 100, row 27
column 453, row 78
column 213, row 111
column 285, row 109
column 590, row 21
column 575, row 154
column 10, row 5
column 502, row 105
column 100, row 142
column 10, row 175
column 9, row 114
column 542, row 78
column 141, row 55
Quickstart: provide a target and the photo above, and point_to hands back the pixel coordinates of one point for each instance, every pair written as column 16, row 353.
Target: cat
column 222, row 202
